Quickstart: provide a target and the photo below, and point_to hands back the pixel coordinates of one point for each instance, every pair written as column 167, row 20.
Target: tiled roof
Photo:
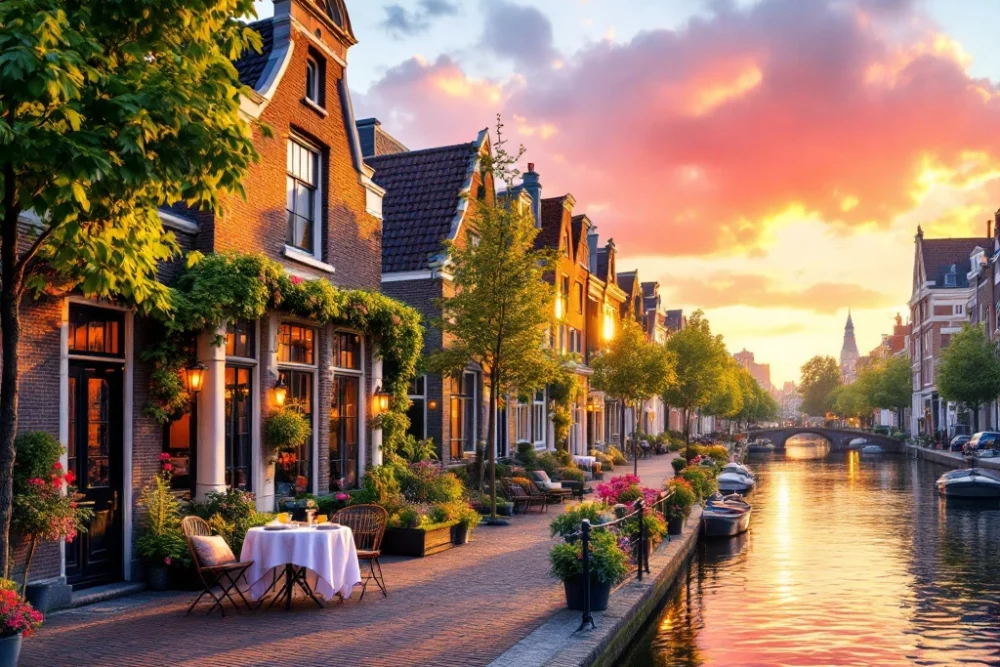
column 602, row 264
column 576, row 225
column 552, row 215
column 627, row 281
column 375, row 140
column 421, row 201
column 251, row 64
column 940, row 254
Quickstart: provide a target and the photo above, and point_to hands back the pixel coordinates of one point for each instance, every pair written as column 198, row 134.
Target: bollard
column 585, row 539
column 642, row 537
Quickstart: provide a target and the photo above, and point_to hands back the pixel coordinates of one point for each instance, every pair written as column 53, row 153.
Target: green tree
column 851, row 400
column 731, row 399
column 820, row 377
column 700, row 360
column 107, row 110
column 888, row 383
column 633, row 369
column 969, row 370
column 501, row 309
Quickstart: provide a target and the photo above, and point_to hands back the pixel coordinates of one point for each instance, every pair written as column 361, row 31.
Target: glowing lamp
column 194, row 377
column 432, row 404
column 280, row 391
column 380, row 401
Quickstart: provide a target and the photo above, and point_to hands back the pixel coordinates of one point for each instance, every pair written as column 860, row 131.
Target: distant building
column 760, row 372
column 895, row 344
column 849, row 355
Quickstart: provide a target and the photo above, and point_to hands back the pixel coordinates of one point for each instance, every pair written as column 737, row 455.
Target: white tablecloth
column 585, row 461
column 329, row 556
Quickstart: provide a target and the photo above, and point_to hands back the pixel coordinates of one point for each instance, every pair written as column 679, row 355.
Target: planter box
column 416, row 542
column 503, row 509
column 599, row 593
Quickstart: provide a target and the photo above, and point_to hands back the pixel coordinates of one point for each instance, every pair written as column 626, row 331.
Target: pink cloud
column 691, row 141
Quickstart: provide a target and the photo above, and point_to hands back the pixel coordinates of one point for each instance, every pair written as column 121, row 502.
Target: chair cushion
column 212, row 550
column 551, row 486
column 542, row 476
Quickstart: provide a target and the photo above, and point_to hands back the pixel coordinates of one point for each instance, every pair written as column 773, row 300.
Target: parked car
column 958, row 442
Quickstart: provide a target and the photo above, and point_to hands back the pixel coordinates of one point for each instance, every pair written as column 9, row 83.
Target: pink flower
column 167, row 561
column 296, row 280
column 342, row 496
column 164, row 456
column 57, row 466
column 167, row 467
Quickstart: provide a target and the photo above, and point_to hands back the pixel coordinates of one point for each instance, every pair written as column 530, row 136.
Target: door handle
column 114, row 503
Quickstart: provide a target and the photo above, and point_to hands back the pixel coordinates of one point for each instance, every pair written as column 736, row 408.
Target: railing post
column 642, row 536
column 585, row 539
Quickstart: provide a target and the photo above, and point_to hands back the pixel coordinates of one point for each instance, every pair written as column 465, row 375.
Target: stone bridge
column 838, row 438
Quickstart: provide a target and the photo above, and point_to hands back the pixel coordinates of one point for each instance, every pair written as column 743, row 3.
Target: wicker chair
column 367, row 522
column 522, row 499
column 557, row 494
column 224, row 576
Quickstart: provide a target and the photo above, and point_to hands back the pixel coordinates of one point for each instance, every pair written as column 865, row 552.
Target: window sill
column 305, row 258
column 315, row 107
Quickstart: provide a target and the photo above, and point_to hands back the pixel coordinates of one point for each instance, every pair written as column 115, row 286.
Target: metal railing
column 634, row 543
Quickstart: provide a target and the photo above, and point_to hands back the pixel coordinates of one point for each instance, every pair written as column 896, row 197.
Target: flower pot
column 10, row 650
column 599, row 593
column 460, row 533
column 675, row 526
column 158, row 577
column 38, row 597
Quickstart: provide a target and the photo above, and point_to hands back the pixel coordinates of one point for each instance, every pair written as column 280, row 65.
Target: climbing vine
column 229, row 286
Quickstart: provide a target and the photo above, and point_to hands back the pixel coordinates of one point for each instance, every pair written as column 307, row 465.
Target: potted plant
column 18, row 619
column 678, row 505
column 567, row 524
column 161, row 541
column 468, row 519
column 284, row 430
column 608, row 566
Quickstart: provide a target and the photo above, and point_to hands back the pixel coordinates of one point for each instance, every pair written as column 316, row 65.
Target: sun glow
column 712, row 97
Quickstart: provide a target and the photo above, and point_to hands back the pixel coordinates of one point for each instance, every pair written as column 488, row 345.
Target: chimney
column 531, row 185
column 593, row 247
column 996, row 226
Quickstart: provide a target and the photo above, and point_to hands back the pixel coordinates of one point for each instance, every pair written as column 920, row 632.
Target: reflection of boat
column 736, row 478
column 871, row 449
column 725, row 516
column 716, row 551
column 857, row 443
column 761, row 446
column 969, row 483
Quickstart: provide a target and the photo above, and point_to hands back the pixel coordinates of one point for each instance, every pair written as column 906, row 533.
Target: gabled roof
column 250, row 64
column 940, row 254
column 552, row 219
column 578, row 236
column 626, row 281
column 423, row 197
column 602, row 265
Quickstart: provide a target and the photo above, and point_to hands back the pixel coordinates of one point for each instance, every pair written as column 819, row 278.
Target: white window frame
column 421, row 397
column 313, row 87
column 317, row 222
column 538, row 419
column 362, row 403
column 522, row 422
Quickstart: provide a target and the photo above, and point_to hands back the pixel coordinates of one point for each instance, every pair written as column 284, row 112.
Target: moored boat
column 969, row 483
column 725, row 516
column 736, row 478
column 872, row 449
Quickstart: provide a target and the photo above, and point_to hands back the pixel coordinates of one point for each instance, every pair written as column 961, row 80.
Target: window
column 240, row 342
column 522, row 421
column 463, row 415
column 538, row 418
column 567, row 246
column 959, row 309
column 179, row 438
column 578, row 296
column 313, row 81
column 347, row 350
column 302, row 204
column 96, row 331
column 294, row 474
column 238, row 436
column 295, row 344
column 614, row 414
column 418, row 403
column 585, row 254
column 474, row 239
column 344, row 431
column 575, row 341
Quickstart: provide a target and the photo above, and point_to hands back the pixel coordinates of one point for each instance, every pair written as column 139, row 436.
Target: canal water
column 850, row 560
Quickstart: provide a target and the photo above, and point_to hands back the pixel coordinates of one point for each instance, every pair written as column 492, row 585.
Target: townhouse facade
column 939, row 301
column 312, row 208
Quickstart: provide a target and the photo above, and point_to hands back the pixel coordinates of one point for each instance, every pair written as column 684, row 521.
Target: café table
column 322, row 563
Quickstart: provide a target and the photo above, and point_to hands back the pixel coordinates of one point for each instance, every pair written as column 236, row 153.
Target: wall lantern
column 380, row 401
column 280, row 391
column 194, row 377
column 590, row 406
column 432, row 405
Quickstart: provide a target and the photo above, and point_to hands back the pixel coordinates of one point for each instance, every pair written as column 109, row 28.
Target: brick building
column 941, row 295
column 311, row 206
column 431, row 195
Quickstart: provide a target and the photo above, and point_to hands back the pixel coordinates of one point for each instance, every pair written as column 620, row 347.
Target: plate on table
column 276, row 526
column 328, row 526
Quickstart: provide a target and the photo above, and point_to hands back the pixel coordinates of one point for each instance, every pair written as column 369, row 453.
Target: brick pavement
column 462, row 607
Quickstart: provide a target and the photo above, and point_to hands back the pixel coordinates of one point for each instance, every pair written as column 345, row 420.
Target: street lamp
column 194, row 377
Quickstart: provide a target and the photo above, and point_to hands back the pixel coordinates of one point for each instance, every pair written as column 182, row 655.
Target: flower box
column 417, row 542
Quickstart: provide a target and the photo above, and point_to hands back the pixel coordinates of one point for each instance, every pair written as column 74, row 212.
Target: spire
column 850, row 322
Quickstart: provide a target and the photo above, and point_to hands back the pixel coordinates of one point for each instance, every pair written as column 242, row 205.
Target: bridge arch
column 837, row 437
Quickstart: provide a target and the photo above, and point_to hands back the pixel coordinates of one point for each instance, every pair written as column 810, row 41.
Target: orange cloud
column 701, row 140
column 757, row 291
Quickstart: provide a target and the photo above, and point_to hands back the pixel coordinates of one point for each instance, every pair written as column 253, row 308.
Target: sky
column 767, row 161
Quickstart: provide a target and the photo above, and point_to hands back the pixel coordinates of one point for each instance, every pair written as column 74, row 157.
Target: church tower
column 849, row 353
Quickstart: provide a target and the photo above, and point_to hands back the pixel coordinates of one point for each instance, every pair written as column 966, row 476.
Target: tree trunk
column 491, row 443
column 27, row 565
column 10, row 330
column 635, row 438
column 687, row 434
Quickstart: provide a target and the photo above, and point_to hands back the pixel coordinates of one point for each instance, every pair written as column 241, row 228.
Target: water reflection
column 850, row 561
column 805, row 447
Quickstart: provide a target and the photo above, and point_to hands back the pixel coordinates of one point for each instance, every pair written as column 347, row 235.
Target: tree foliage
column 969, row 370
column 700, row 360
column 820, row 378
column 107, row 111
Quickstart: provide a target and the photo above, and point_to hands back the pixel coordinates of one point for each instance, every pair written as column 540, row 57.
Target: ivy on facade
column 222, row 287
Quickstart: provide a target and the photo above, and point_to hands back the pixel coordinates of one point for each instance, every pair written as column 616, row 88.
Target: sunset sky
column 767, row 161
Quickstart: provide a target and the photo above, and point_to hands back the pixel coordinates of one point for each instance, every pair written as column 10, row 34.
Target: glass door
column 344, row 426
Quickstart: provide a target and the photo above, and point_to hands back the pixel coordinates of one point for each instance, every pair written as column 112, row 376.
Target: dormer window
column 951, row 278
column 312, row 80
column 567, row 245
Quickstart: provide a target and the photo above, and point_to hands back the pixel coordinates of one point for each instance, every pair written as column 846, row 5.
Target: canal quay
column 850, row 560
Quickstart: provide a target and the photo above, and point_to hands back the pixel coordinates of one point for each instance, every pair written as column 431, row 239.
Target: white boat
column 725, row 516
column 872, row 449
column 736, row 478
column 969, row 483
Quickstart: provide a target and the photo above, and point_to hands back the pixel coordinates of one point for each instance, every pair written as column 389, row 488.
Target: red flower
column 166, row 561
column 57, row 466
column 164, row 456
column 70, row 477
column 167, row 467
column 296, row 280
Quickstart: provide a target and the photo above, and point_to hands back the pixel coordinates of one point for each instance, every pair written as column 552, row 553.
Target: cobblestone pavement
column 462, row 607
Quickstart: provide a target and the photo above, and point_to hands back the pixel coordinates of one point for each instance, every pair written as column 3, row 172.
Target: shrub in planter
column 608, row 566
column 702, row 480
column 569, row 521
column 231, row 514
column 616, row 456
column 285, row 429
column 718, row 453
column 17, row 620
column 678, row 464
column 468, row 519
column 523, row 482
column 570, row 474
column 428, row 483
column 547, row 461
column 526, row 456
column 161, row 543
column 678, row 506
